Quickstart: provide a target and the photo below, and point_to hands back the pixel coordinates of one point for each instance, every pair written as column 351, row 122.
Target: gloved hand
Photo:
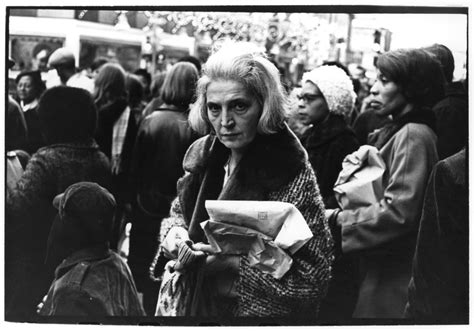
column 175, row 236
column 217, row 262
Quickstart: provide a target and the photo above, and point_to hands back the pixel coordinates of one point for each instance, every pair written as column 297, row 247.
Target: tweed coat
column 275, row 167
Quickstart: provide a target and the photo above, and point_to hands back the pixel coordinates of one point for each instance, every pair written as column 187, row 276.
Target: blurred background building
column 296, row 42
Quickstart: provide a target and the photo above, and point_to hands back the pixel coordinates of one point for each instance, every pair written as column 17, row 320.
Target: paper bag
column 281, row 221
column 360, row 182
column 263, row 253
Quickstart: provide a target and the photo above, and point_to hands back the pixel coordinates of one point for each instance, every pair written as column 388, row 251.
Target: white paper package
column 281, row 221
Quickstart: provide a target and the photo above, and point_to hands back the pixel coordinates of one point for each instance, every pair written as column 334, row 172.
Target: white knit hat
column 335, row 86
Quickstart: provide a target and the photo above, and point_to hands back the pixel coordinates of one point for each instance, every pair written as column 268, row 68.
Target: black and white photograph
column 236, row 165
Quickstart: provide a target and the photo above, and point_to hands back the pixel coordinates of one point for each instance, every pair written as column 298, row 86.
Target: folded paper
column 360, row 182
column 261, row 229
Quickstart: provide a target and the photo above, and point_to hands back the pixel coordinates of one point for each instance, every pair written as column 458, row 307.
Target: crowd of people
column 88, row 156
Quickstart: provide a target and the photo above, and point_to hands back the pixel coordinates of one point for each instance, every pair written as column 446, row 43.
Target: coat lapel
column 271, row 162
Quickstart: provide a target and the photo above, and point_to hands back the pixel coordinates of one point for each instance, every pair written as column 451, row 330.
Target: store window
column 128, row 56
column 32, row 52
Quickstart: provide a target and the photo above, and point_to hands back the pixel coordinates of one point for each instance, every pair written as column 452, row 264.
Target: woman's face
column 312, row 107
column 388, row 98
column 233, row 112
column 26, row 89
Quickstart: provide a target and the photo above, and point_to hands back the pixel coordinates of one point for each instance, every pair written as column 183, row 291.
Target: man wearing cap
column 64, row 62
column 91, row 280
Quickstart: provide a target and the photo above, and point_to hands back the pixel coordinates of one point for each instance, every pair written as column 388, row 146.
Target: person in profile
column 91, row 280
column 63, row 62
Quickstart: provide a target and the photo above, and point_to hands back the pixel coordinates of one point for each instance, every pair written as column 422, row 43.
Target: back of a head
column 144, row 73
column 179, row 85
column 192, row 59
column 157, row 83
column 445, row 57
column 110, row 81
column 89, row 208
column 67, row 114
column 246, row 64
column 416, row 72
column 98, row 62
column 134, row 89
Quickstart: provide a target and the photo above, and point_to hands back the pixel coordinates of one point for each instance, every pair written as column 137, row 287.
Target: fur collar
column 271, row 161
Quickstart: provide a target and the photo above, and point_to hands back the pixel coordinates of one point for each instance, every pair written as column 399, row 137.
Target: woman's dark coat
column 327, row 145
column 439, row 287
column 162, row 140
column 29, row 215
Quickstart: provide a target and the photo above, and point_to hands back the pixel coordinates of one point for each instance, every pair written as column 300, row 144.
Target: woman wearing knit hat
column 326, row 97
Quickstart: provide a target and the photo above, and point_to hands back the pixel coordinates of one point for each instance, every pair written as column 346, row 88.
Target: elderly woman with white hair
column 326, row 98
column 249, row 153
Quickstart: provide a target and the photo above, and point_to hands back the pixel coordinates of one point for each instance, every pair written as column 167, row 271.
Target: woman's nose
column 227, row 119
column 375, row 88
column 301, row 103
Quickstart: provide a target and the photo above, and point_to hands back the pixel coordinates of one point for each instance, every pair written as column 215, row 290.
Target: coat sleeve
column 413, row 154
column 28, row 197
column 301, row 289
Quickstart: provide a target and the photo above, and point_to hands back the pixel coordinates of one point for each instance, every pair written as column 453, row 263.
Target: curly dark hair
column 417, row 73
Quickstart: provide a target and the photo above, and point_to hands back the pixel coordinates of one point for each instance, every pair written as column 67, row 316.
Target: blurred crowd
column 103, row 163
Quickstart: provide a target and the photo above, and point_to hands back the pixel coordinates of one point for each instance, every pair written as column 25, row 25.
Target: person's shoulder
column 197, row 154
column 416, row 131
column 453, row 167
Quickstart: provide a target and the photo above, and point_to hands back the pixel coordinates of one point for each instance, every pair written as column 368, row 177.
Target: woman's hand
column 216, row 263
column 175, row 236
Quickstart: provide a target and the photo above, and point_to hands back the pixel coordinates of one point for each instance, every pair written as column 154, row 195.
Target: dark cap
column 85, row 199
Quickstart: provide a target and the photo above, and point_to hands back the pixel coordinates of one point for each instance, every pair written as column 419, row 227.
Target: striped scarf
column 118, row 138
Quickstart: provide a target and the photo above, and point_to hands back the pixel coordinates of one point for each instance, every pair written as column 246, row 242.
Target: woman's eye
column 240, row 107
column 214, row 109
column 383, row 79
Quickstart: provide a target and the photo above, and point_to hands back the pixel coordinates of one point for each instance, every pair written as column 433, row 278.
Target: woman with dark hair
column 155, row 89
column 409, row 82
column 68, row 119
column 249, row 153
column 116, row 131
column 135, row 96
column 29, row 89
column 162, row 139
